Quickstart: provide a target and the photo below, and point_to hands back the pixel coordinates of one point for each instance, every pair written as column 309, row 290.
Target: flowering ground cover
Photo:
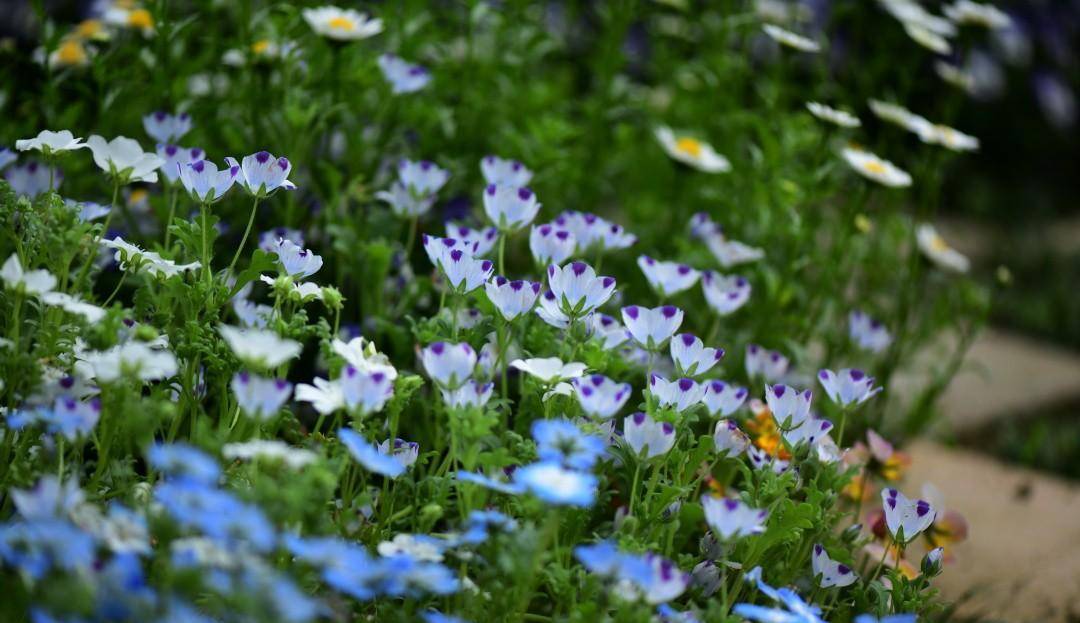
column 477, row 311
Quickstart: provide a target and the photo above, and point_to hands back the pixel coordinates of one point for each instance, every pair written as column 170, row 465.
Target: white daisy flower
column 691, row 151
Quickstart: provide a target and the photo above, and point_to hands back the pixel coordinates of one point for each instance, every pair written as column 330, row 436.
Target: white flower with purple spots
column 262, row 174
column 510, row 207
column 731, row 518
column 611, row 333
column 848, row 387
column 725, row 293
column 502, row 172
column 667, row 278
column 905, row 518
column 483, row 240
column 404, row 452
column 652, row 328
column 204, row 182
column 449, row 365
column 471, row 395
column 789, row 407
column 512, row 298
column 164, row 128
column 365, row 391
column 867, row 333
column 680, row 394
column 296, row 261
column 551, row 245
column 599, row 396
column 828, row 572
column 578, row 289
column 692, row 357
column 258, row 397
column 770, row 365
column 403, row 76
column 722, row 398
column 175, row 157
column 728, row 438
column 646, row 436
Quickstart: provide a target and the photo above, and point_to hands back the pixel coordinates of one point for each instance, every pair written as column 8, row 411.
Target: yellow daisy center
column 341, row 23
column 875, row 167
column 689, row 146
column 140, row 18
column 261, row 46
column 71, row 52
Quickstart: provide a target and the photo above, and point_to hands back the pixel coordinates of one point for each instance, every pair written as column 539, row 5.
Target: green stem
column 243, row 240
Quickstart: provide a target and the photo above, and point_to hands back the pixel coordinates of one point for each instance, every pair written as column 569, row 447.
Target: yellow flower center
column 875, row 167
column 261, row 46
column 88, row 29
column 71, row 52
column 341, row 23
column 689, row 146
column 140, row 18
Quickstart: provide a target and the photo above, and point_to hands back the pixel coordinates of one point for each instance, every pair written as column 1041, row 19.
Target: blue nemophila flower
column 184, row 462
column 38, row 546
column 481, row 522
column 268, row 240
column 449, row 365
column 789, row 406
column 731, row 518
column 473, row 394
column 793, row 609
column 725, row 293
column 403, row 76
column 723, row 398
column 647, row 437
column 891, row 618
column 578, row 289
column 259, row 397
column 502, row 486
column 512, row 298
column 563, row 442
column 510, row 207
column 365, row 391
column 729, row 438
column 652, row 328
column 124, row 159
column 405, row 452
column 68, row 417
column 484, row 239
column 848, row 387
column 680, row 394
column 691, row 356
column 770, row 365
column 905, row 518
column 867, row 333
column 551, row 245
column 555, row 484
column 30, row 179
column 593, row 232
column 175, row 157
column 829, row 572
column 503, row 172
column 216, row 514
column 297, row 261
column 369, row 456
column 165, row 128
column 599, row 396
column 261, row 173
column 611, row 333
column 667, row 278
column 204, row 182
